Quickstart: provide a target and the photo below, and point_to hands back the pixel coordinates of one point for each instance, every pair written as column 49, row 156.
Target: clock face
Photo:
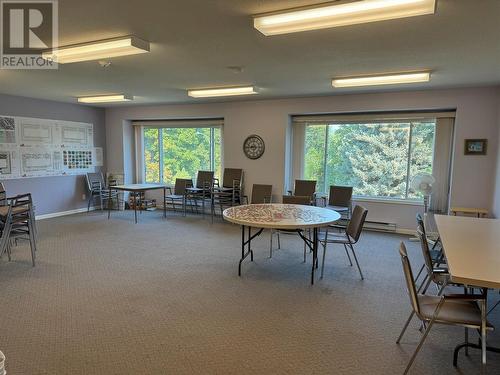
column 253, row 147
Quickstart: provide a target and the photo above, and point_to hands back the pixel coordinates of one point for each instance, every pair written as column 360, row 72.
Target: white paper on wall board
column 98, row 157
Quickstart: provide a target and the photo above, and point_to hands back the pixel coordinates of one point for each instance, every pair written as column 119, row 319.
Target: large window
column 171, row 153
column 377, row 159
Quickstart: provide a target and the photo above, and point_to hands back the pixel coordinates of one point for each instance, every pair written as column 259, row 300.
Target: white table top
column 139, row 187
column 472, row 249
column 280, row 216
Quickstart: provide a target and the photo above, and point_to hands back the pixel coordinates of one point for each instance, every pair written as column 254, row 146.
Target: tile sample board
column 31, row 147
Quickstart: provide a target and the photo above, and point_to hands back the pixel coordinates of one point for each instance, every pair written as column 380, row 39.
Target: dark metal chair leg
column 32, row 242
column 347, row 253
column 404, row 327
column 422, row 340
column 356, row 260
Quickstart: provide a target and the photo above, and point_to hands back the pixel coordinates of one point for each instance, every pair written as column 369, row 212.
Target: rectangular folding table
column 471, row 248
column 137, row 189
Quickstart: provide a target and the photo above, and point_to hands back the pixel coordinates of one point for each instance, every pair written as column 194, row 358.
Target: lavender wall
column 496, row 202
column 53, row 194
column 473, row 177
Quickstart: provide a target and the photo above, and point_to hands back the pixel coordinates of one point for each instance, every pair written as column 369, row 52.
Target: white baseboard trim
column 63, row 213
column 405, row 231
column 410, row 232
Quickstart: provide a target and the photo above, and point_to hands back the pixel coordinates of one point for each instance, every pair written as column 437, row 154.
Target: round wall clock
column 254, row 146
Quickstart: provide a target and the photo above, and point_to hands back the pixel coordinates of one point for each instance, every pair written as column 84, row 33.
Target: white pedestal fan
column 422, row 183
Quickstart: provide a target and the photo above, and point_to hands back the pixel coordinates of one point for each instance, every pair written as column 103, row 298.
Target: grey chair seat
column 452, row 311
column 462, row 310
column 341, row 237
column 174, row 196
column 338, row 208
column 436, row 255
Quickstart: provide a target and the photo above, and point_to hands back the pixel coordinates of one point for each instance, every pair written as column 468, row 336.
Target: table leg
column 242, row 248
column 483, row 330
column 481, row 345
column 140, row 202
column 203, row 204
column 244, row 244
column 109, row 202
column 249, row 242
column 135, row 207
column 315, row 253
column 165, row 203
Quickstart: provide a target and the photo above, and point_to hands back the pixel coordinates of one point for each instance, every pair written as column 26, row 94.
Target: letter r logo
column 28, row 27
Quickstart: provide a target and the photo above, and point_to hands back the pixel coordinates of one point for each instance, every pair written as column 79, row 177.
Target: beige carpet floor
column 164, row 297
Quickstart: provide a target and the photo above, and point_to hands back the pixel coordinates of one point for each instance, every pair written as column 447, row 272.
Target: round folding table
column 290, row 217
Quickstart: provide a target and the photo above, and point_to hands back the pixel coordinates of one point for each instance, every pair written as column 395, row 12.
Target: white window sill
column 389, row 201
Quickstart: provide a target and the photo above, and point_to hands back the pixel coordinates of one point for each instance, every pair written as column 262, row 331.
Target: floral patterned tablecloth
column 281, row 216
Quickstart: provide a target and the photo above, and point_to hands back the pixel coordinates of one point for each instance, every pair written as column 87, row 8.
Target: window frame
column 368, row 198
column 142, row 149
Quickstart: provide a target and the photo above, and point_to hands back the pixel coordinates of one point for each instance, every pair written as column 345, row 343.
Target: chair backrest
column 6, row 223
column 205, row 179
column 3, row 195
column 26, row 203
column 232, row 177
column 356, row 223
column 340, row 196
column 410, row 283
column 305, row 188
column 296, row 199
column 425, row 252
column 181, row 184
column 95, row 179
column 21, row 200
column 261, row 193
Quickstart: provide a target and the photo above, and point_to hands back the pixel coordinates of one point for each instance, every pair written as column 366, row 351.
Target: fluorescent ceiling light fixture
column 228, row 91
column 335, row 14
column 106, row 98
column 103, row 49
column 383, row 79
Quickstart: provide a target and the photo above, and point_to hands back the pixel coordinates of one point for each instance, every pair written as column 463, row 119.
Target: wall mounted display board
column 31, row 147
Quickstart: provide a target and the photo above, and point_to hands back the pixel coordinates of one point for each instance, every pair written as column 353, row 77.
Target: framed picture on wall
column 475, row 146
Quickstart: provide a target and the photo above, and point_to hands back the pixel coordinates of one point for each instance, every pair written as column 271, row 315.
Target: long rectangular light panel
column 106, row 98
column 103, row 49
column 385, row 79
column 229, row 91
column 332, row 15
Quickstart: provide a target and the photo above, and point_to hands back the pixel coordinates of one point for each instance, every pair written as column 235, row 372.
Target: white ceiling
column 194, row 41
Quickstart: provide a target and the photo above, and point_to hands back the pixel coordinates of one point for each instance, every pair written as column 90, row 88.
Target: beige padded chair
column 97, row 187
column 204, row 179
column 347, row 238
column 297, row 199
column 439, row 275
column 260, row 194
column 232, row 177
column 179, row 193
column 458, row 310
column 202, row 191
column 22, row 223
column 3, row 195
column 229, row 194
column 340, row 200
column 290, row 199
column 305, row 188
column 436, row 252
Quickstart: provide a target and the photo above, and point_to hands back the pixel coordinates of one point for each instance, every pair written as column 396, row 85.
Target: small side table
column 478, row 212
